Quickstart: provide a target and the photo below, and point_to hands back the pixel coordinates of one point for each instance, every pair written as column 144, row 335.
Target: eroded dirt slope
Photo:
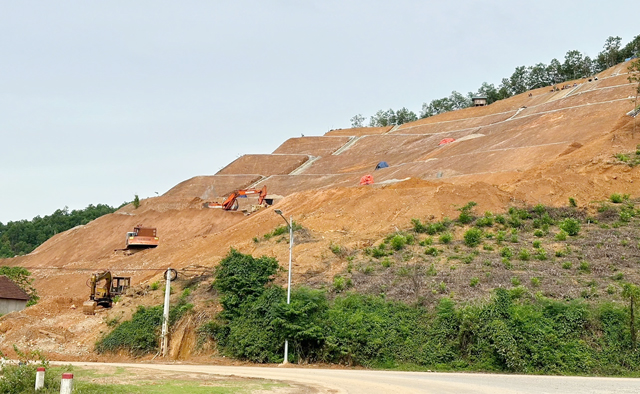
column 523, row 150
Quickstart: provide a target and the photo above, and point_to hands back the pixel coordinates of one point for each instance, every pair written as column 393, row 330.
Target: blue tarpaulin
column 382, row 164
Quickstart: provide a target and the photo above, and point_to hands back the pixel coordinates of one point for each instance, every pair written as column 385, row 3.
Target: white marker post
column 165, row 315
column 67, row 383
column 39, row 378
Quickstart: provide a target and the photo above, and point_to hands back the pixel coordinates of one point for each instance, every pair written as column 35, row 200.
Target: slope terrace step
column 265, row 164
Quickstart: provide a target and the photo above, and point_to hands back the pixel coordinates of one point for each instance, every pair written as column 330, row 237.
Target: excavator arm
column 231, row 204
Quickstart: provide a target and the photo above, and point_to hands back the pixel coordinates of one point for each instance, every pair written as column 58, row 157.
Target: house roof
column 11, row 291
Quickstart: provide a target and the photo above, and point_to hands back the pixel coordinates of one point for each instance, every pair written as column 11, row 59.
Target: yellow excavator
column 103, row 295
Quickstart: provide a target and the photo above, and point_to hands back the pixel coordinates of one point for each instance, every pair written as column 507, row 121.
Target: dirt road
column 389, row 382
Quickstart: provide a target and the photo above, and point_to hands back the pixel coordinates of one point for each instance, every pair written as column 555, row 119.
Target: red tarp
column 366, row 180
column 446, row 141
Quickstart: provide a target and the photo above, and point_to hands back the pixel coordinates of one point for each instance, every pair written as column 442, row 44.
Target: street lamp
column 290, row 225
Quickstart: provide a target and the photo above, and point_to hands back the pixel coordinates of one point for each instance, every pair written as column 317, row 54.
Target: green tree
column 492, row 94
column 136, row 201
column 555, row 72
column 517, row 83
column 573, row 65
column 358, row 121
column 632, row 48
column 632, row 292
column 403, row 116
column 21, row 277
column 538, row 76
column 610, row 55
column 241, row 278
column 454, row 102
column 22, row 237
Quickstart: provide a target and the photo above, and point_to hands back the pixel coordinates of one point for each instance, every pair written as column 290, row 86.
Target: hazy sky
column 101, row 100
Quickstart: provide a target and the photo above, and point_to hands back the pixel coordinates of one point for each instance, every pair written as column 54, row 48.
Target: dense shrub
column 138, row 335
column 473, row 237
column 570, row 226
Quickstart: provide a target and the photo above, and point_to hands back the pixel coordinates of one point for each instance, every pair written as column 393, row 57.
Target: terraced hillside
column 540, row 147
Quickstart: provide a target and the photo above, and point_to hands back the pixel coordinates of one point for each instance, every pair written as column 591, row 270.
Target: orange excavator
column 231, row 203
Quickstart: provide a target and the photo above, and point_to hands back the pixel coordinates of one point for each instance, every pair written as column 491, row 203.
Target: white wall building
column 12, row 297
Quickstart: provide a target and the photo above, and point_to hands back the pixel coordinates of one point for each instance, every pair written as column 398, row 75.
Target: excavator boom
column 231, row 202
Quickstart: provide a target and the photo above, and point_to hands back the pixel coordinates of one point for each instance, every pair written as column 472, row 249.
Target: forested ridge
column 23, row 236
column 576, row 65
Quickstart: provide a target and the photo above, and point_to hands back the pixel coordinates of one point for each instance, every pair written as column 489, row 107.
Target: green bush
column 506, row 252
column 474, row 281
column 567, row 265
column 137, row 336
column 524, row 254
column 431, row 251
column 445, row 238
column 418, row 226
column 618, row 198
column 584, row 267
column 572, row 202
column 466, row 214
column 398, row 242
column 515, row 281
column 20, row 378
column 541, row 254
column 337, row 249
column 570, row 226
column 473, row 237
column 435, row 228
column 380, row 251
column 426, row 242
column 486, row 220
column 561, row 236
column 240, row 278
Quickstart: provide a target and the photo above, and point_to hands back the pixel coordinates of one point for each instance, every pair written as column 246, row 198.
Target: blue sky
column 103, row 100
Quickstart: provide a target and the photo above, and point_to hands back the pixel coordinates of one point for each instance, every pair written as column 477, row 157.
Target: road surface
column 342, row 381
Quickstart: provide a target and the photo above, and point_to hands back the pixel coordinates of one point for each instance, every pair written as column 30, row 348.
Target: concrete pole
column 39, row 378
column 67, row 383
column 165, row 315
column 286, row 341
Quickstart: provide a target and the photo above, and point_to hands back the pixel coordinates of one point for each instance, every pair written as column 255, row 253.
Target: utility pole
column 165, row 315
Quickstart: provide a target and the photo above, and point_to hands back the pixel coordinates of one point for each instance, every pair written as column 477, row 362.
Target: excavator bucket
column 89, row 307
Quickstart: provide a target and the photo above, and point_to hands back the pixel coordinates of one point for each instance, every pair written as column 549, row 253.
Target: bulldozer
column 142, row 237
column 231, row 202
column 103, row 295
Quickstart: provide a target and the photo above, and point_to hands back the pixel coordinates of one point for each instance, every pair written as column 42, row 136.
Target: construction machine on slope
column 103, row 295
column 231, row 203
column 142, row 237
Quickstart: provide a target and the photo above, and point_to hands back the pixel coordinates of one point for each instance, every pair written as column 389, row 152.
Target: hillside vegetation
column 22, row 237
column 499, row 238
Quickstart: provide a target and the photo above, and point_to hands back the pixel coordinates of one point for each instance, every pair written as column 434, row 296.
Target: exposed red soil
column 560, row 146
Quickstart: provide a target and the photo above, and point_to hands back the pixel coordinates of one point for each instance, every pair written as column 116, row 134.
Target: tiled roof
column 11, row 291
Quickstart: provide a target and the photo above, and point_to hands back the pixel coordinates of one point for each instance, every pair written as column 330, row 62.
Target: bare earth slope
column 522, row 150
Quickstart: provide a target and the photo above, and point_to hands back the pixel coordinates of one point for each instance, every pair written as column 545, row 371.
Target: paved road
column 389, row 382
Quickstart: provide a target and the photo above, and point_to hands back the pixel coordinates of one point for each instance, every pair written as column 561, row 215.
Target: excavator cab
column 102, row 295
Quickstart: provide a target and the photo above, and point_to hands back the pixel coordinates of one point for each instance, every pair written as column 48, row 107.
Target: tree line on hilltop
column 23, row 236
column 576, row 65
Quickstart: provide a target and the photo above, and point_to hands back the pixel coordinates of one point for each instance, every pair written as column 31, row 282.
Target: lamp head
column 277, row 211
